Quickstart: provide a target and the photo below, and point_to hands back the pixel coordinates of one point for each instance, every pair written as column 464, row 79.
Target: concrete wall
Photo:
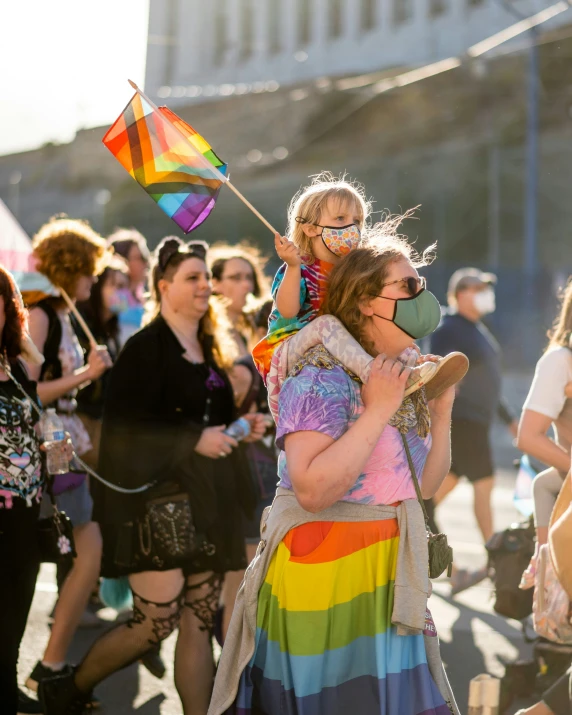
column 454, row 144
column 203, row 50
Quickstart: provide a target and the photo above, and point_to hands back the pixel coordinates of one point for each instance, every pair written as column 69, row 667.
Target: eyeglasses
column 411, row 284
column 194, row 249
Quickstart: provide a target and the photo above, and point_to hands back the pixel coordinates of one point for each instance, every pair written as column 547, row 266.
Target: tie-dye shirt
column 313, row 283
column 329, row 401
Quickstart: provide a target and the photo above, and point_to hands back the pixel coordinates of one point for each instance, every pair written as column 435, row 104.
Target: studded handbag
column 167, row 533
column 164, row 536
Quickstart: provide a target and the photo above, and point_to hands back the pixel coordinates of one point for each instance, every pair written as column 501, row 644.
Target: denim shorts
column 77, row 504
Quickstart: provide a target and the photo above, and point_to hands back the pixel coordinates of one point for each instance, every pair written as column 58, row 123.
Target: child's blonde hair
column 311, row 200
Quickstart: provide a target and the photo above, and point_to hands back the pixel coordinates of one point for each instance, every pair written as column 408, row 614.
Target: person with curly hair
column 167, row 405
column 70, row 254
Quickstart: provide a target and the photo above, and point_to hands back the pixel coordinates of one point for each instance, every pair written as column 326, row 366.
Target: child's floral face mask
column 341, row 241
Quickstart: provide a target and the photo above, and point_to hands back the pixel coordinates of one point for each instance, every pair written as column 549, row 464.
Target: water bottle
column 239, row 429
column 54, row 434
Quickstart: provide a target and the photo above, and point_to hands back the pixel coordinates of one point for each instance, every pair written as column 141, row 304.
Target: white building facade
column 203, row 48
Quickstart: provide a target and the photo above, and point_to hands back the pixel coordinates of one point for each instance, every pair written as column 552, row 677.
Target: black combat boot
column 60, row 696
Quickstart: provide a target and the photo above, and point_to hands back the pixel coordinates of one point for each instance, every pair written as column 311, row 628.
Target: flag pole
column 219, row 175
column 72, row 306
column 247, row 203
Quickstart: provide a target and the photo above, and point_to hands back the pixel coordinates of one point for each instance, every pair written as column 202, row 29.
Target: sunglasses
column 194, row 249
column 411, row 284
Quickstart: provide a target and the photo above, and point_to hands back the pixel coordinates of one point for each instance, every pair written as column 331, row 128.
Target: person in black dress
column 168, row 402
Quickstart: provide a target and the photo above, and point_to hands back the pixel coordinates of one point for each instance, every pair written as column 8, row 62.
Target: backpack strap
column 52, row 367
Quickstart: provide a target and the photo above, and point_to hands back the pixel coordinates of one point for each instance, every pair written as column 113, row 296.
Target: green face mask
column 417, row 316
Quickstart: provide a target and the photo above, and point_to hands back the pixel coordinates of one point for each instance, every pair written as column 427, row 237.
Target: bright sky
column 65, row 65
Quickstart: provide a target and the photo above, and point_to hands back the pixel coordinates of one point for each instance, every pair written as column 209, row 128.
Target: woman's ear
column 366, row 307
column 162, row 286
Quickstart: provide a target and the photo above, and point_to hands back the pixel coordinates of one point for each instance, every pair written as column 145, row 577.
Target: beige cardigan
column 412, row 586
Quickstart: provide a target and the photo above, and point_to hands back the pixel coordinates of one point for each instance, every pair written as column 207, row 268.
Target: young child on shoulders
column 325, row 223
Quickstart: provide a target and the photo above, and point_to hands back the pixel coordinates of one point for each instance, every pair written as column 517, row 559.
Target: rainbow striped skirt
column 324, row 640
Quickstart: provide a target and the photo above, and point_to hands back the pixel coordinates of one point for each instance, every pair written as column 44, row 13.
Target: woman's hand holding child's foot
column 420, row 376
column 423, row 367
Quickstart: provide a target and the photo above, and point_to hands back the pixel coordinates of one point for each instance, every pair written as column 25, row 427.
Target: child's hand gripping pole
column 287, row 251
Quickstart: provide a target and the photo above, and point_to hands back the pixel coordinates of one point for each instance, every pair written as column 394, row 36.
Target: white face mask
column 484, row 301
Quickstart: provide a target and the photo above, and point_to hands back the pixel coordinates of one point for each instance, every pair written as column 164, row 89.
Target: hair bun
column 167, row 248
column 198, row 247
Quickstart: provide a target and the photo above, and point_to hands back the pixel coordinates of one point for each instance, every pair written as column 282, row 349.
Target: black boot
column 60, row 696
column 27, row 706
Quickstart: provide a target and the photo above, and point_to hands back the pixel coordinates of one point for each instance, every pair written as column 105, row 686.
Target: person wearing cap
column 471, row 296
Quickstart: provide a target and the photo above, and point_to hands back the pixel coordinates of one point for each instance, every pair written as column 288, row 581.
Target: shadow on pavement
column 118, row 692
column 462, row 656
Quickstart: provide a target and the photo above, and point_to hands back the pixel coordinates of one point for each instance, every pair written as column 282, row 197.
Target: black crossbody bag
column 440, row 553
column 55, row 537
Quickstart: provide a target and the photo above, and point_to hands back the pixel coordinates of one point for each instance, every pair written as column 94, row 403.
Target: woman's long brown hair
column 15, row 317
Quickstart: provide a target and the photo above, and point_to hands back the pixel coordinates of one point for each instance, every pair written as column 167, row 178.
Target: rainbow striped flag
column 165, row 155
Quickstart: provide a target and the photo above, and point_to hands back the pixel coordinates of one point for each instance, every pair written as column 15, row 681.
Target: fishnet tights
column 126, row 643
column 194, row 662
column 149, row 625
